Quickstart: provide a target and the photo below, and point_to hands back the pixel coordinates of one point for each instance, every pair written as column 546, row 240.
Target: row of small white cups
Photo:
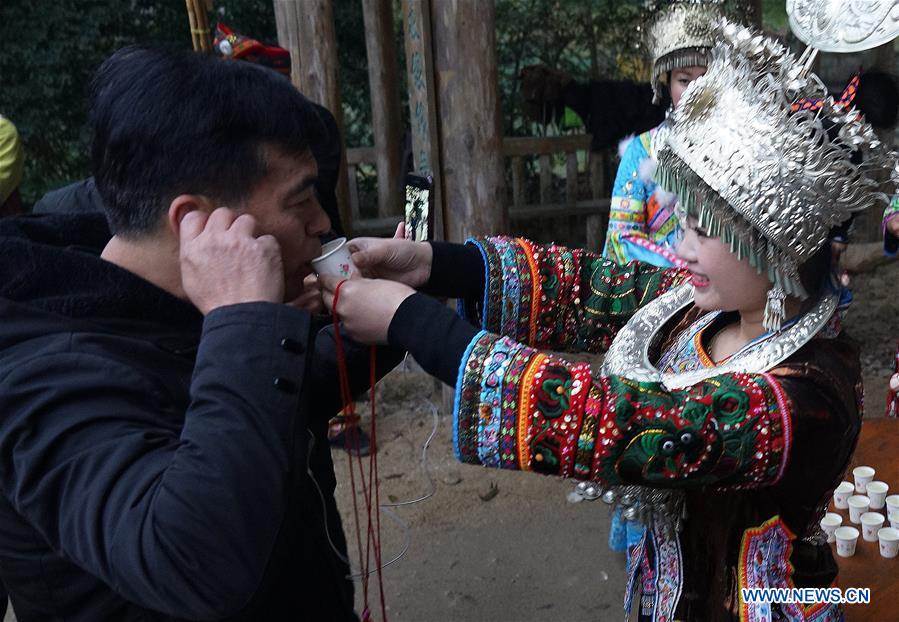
column 873, row 530
column 876, row 494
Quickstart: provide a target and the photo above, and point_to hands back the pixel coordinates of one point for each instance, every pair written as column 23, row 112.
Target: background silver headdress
column 681, row 34
column 768, row 181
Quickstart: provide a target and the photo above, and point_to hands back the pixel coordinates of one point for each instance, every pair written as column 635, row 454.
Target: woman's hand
column 892, row 225
column 365, row 306
column 395, row 259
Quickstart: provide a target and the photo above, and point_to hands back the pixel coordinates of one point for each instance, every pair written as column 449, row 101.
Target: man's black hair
column 169, row 122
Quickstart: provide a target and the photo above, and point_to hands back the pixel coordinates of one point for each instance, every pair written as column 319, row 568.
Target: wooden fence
column 559, row 190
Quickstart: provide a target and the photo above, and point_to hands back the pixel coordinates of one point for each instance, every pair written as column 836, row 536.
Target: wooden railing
column 559, row 190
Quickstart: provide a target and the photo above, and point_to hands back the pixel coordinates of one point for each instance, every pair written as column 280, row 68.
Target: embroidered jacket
column 745, row 446
column 642, row 224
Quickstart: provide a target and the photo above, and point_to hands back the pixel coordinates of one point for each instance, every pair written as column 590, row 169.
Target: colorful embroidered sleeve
column 890, row 241
column 517, row 408
column 556, row 298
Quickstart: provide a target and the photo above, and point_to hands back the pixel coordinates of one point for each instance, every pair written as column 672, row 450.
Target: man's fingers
column 220, row 219
column 400, row 233
column 244, row 224
column 192, row 225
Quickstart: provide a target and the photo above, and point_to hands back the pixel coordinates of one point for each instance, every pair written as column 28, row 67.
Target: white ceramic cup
column 862, row 475
column 335, row 260
column 858, row 505
column 894, row 519
column 846, row 539
column 871, row 523
column 892, row 502
column 829, row 524
column 842, row 493
column 877, row 492
column 889, row 541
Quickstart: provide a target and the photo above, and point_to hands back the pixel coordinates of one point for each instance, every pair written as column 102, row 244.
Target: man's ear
column 182, row 205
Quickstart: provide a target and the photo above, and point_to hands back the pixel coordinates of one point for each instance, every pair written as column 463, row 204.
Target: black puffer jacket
column 156, row 464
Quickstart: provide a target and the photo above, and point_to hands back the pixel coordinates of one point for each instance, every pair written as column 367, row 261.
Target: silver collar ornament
column 629, row 357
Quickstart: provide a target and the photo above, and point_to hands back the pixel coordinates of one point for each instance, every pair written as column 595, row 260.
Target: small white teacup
column 894, row 519
column 858, row 505
column 889, row 541
column 847, row 537
column 877, row 492
column 871, row 522
column 335, row 260
column 829, row 524
column 892, row 503
column 842, row 493
column 862, row 475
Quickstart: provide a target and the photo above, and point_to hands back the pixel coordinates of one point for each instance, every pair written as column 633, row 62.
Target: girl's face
column 681, row 79
column 720, row 280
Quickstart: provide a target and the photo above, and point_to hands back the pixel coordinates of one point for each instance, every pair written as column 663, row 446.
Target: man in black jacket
column 163, row 396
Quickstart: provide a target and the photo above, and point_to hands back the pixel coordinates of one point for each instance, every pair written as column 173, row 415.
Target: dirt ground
column 499, row 545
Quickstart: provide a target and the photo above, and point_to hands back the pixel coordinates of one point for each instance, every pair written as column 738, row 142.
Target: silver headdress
column 768, row 181
column 681, row 34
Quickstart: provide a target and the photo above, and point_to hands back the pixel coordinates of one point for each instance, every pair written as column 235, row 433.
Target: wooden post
column 306, row 29
column 385, row 103
column 423, row 102
column 464, row 48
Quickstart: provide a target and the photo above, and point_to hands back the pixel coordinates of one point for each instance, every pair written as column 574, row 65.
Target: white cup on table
column 829, row 524
column 862, row 475
column 889, row 541
column 841, row 495
column 877, row 492
column 858, row 505
column 871, row 523
column 846, row 537
column 893, row 517
column 892, row 503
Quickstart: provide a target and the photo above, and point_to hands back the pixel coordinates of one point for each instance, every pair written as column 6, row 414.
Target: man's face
column 286, row 206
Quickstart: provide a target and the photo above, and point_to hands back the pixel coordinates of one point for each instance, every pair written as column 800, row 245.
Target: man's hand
column 365, row 306
column 224, row 263
column 311, row 297
column 395, row 259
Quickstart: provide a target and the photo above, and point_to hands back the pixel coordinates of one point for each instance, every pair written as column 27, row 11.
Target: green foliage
column 52, row 48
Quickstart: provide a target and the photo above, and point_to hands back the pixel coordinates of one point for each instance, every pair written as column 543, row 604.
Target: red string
column 351, row 433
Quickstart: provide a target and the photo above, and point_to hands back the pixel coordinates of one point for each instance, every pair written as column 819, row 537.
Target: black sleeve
column 457, row 271
column 324, row 388
column 177, row 511
column 434, row 335
column 890, row 243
